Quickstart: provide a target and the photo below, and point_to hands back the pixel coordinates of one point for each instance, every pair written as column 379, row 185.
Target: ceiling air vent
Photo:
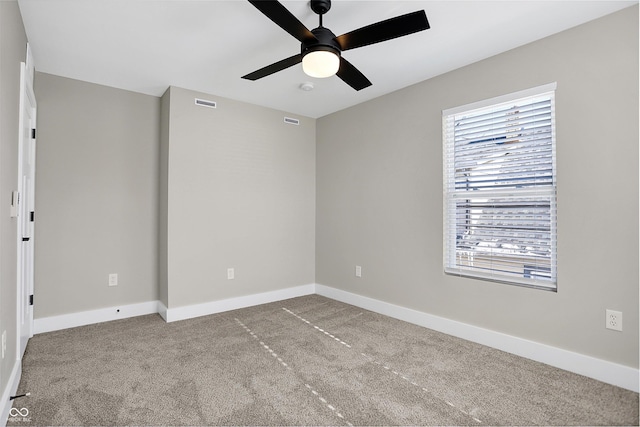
column 205, row 103
column 291, row 121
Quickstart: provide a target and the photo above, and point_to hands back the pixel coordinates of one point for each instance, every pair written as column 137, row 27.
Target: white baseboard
column 10, row 390
column 162, row 310
column 72, row 320
column 190, row 311
column 601, row 370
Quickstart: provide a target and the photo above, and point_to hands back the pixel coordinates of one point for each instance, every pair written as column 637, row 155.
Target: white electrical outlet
column 113, row 279
column 358, row 271
column 614, row 320
column 231, row 273
column 4, row 343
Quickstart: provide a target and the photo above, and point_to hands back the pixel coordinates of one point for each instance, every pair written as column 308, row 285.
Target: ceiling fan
column 321, row 51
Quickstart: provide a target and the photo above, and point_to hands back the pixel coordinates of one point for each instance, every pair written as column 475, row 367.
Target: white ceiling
column 206, row 45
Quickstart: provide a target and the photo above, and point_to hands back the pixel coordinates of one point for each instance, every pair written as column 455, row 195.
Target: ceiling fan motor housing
column 320, row 6
column 324, row 40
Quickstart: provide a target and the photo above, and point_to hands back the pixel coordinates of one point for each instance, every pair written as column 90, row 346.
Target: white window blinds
column 500, row 189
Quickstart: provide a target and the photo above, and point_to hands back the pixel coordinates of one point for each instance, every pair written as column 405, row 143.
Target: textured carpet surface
column 303, row 361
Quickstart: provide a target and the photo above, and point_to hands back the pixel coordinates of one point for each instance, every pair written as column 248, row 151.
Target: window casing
column 500, row 189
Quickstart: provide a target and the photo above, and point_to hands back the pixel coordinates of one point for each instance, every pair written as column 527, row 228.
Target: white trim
column 24, row 283
column 197, row 310
column 601, row 370
column 534, row 91
column 72, row 320
column 9, row 390
column 162, row 310
column 30, row 65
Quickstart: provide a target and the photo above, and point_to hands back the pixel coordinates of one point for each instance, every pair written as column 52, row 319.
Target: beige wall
column 96, row 196
column 169, row 195
column 379, row 193
column 241, row 194
column 13, row 49
column 163, row 199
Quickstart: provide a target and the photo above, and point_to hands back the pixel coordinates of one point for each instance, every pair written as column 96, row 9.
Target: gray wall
column 241, row 194
column 96, row 196
column 168, row 195
column 379, row 193
column 13, row 50
column 163, row 199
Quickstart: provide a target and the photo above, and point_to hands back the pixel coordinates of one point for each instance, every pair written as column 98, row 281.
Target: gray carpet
column 303, row 361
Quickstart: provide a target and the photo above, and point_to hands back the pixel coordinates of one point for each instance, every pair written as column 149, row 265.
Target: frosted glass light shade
column 320, row 64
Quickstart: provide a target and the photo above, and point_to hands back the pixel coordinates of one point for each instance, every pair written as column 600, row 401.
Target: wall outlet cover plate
column 614, row 320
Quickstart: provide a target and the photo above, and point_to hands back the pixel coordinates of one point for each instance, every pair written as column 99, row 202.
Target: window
column 500, row 189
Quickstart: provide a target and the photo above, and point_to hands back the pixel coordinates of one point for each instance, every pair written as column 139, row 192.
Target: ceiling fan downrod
column 320, row 7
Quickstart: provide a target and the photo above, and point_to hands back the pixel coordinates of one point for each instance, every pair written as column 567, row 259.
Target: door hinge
column 31, row 299
column 33, row 134
column 33, row 216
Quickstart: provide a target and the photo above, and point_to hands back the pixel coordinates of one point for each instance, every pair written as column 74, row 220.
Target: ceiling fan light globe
column 320, row 64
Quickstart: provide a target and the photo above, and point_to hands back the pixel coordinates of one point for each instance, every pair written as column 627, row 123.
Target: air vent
column 291, row 121
column 205, row 103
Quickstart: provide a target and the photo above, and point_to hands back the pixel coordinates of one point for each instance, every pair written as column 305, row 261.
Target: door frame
column 26, row 200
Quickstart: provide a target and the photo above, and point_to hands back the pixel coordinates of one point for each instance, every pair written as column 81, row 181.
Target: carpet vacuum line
column 381, row 365
column 286, row 366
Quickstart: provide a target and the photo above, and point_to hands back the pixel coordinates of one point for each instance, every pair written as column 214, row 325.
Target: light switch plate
column 4, row 343
column 15, row 201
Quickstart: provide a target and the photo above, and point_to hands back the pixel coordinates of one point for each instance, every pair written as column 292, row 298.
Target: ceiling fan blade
column 274, row 68
column 352, row 76
column 279, row 14
column 384, row 30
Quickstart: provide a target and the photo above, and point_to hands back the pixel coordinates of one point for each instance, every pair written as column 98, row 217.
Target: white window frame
column 453, row 256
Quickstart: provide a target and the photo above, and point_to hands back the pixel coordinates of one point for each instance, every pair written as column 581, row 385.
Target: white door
column 26, row 208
